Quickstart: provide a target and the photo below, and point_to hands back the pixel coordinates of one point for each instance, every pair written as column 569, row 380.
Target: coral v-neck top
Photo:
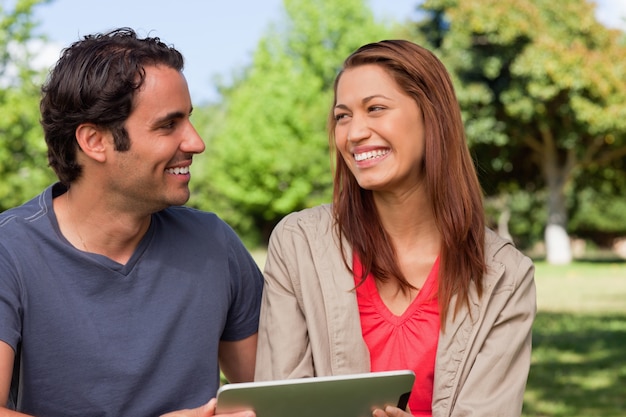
column 408, row 341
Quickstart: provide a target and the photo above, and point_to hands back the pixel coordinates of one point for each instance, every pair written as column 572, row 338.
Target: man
column 114, row 299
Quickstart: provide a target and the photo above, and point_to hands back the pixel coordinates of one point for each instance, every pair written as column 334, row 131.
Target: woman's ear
column 92, row 141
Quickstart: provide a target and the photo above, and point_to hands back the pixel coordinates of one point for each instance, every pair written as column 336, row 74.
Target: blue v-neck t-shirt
column 98, row 338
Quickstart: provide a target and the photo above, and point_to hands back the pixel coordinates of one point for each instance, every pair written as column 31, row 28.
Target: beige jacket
column 310, row 322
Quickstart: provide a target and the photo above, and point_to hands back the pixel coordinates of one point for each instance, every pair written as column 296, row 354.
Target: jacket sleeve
column 494, row 382
column 284, row 349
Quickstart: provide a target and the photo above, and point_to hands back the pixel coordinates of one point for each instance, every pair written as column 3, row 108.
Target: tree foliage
column 269, row 156
column 23, row 162
column 542, row 86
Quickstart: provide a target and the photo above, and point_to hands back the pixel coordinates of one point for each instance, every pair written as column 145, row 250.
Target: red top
column 408, row 341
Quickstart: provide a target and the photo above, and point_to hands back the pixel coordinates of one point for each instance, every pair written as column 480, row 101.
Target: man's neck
column 91, row 224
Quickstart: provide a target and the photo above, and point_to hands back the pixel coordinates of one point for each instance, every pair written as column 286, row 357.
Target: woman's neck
column 409, row 221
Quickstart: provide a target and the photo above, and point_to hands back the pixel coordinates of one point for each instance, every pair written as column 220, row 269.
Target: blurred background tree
column 268, row 156
column 23, row 161
column 542, row 85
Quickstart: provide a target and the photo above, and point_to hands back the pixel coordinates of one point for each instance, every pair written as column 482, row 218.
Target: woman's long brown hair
column 451, row 181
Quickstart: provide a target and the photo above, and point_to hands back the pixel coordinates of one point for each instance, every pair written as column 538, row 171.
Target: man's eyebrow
column 171, row 116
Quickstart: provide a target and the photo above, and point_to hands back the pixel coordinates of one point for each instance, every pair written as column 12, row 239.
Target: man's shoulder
column 28, row 212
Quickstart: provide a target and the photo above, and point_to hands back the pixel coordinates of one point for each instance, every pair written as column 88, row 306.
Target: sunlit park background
column 542, row 87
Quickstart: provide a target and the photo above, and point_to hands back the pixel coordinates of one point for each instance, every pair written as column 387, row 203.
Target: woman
column 400, row 271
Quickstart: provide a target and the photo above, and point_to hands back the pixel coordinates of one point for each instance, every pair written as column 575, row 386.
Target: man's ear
column 92, row 140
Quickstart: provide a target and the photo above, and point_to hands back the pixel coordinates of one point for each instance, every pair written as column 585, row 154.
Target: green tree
column 542, row 87
column 599, row 206
column 23, row 163
column 268, row 156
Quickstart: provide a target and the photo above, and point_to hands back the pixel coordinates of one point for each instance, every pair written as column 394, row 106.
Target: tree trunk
column 558, row 245
column 557, row 240
column 503, row 224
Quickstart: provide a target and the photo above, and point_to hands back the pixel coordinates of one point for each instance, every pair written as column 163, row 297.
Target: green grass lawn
column 579, row 342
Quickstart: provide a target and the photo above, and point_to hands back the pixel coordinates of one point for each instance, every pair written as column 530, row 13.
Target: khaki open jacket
column 310, row 323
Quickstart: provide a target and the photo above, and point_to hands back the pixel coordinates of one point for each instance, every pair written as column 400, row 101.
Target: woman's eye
column 340, row 116
column 375, row 108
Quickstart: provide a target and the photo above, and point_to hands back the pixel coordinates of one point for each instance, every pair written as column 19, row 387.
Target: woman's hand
column 390, row 411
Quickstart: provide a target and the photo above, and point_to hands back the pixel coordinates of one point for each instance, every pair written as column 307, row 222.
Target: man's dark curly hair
column 95, row 81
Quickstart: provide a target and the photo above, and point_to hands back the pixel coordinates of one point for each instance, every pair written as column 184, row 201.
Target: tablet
column 353, row 395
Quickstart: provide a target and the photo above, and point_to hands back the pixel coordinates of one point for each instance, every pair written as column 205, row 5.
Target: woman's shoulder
column 313, row 225
column 497, row 246
column 502, row 251
column 310, row 217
